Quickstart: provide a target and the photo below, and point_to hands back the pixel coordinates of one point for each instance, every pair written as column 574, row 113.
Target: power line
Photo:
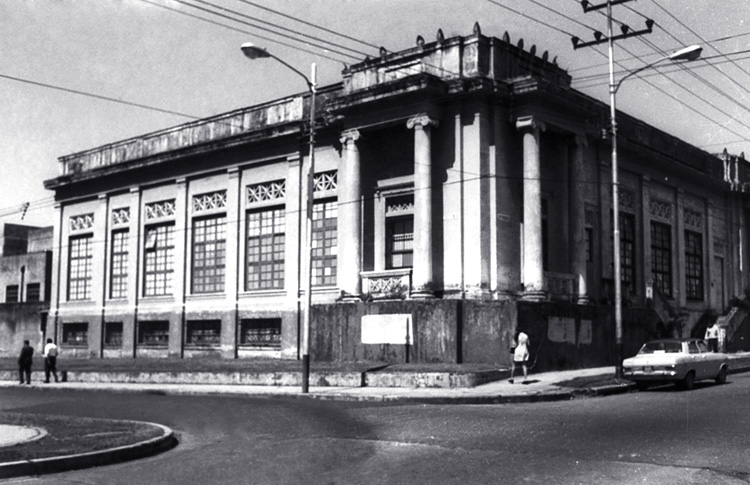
column 309, row 24
column 202, row 19
column 255, row 26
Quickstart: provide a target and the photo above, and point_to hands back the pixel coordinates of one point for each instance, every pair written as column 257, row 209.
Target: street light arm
column 686, row 54
column 310, row 85
column 640, row 69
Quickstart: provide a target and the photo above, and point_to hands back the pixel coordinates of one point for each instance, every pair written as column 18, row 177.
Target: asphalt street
column 658, row 436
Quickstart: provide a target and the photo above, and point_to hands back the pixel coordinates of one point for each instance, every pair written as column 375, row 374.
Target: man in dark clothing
column 24, row 362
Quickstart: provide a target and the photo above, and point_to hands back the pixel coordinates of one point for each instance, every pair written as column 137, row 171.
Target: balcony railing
column 394, row 284
column 561, row 286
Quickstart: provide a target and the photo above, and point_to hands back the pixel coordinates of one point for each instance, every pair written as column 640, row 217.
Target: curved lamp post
column 686, row 54
column 252, row 51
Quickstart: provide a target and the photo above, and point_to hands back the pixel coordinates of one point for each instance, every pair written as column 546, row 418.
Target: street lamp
column 686, row 54
column 252, row 51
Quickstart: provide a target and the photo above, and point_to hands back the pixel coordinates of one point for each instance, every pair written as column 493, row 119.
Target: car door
column 697, row 361
column 710, row 363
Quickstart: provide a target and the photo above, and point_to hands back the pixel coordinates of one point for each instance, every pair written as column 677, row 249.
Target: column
column 350, row 217
column 180, row 282
column 422, row 284
column 232, row 268
column 578, row 216
column 533, row 274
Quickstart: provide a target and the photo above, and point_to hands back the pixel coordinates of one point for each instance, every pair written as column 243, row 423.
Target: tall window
column 693, row 265
column 209, row 254
column 627, row 250
column 400, row 242
column 266, row 237
column 324, row 244
column 159, row 260
column 661, row 257
column 118, row 280
column 79, row 268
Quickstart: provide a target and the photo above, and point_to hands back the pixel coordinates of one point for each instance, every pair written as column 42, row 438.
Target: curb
column 42, row 466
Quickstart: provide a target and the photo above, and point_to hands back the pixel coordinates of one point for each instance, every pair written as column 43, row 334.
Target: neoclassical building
column 462, row 189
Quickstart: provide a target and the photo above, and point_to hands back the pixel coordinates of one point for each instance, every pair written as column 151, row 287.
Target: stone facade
column 464, row 169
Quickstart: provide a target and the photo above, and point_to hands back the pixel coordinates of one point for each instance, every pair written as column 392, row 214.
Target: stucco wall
column 19, row 322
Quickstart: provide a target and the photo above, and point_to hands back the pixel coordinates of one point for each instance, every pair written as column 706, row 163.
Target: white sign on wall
column 387, row 329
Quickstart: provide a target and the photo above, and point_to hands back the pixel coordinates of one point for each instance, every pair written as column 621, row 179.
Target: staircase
column 736, row 328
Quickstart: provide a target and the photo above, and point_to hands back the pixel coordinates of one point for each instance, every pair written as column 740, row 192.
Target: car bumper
column 641, row 374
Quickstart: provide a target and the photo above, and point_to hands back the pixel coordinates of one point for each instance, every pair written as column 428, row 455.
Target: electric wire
column 270, row 31
column 259, row 36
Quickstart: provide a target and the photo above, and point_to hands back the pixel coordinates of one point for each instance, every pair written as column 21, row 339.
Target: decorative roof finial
column 506, row 37
column 477, row 30
column 520, row 44
column 440, row 36
column 383, row 51
column 420, row 41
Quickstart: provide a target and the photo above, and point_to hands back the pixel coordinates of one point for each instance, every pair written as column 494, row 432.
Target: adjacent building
column 25, row 283
column 462, row 189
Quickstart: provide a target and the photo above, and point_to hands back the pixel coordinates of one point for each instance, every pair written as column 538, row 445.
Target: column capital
column 530, row 123
column 421, row 121
column 349, row 135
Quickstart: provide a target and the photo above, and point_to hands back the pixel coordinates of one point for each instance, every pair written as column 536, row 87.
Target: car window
column 661, row 347
column 693, row 348
column 702, row 347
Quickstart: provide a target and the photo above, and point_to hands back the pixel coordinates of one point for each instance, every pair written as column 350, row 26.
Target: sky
column 78, row 74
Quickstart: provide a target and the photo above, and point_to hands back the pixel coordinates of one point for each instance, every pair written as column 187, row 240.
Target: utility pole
column 610, row 39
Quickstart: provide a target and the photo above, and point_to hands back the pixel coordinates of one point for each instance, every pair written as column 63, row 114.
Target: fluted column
column 422, row 284
column 350, row 217
column 533, row 273
column 578, row 217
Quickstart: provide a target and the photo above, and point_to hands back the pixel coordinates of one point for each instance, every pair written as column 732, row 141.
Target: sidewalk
column 541, row 387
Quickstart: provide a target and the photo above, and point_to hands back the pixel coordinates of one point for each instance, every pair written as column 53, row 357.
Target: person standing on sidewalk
column 50, row 360
column 520, row 356
column 25, row 359
column 712, row 337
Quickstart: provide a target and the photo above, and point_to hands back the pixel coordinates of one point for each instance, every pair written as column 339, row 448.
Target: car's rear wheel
column 721, row 377
column 688, row 382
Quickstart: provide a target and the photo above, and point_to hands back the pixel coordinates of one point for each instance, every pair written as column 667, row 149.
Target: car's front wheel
column 721, row 377
column 688, row 382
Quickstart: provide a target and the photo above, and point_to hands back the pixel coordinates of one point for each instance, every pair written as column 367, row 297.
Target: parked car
column 682, row 361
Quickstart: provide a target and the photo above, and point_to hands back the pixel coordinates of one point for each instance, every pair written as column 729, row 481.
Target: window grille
column 661, row 257
column 118, row 281
column 113, row 334
column 203, row 333
column 693, row 265
column 159, row 260
column 153, row 334
column 11, row 294
column 263, row 333
column 324, row 243
column 266, row 238
column 209, row 254
column 75, row 334
column 33, row 292
column 79, row 268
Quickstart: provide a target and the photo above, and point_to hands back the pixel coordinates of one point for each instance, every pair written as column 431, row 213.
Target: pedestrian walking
column 712, row 337
column 520, row 356
column 50, row 360
column 25, row 359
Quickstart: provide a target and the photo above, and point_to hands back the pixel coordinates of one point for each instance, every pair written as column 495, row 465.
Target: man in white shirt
column 50, row 360
column 712, row 337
